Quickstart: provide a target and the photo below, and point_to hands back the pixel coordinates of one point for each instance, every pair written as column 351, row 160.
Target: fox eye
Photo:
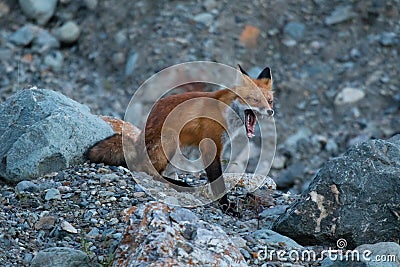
column 270, row 101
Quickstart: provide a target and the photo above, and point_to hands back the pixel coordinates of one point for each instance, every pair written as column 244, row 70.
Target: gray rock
column 54, row 60
column 295, row 30
column 44, row 41
column 176, row 231
column 204, row 18
column 388, row 39
column 52, row 194
column 40, row 39
column 60, row 257
column 288, row 176
column 23, row 36
column 26, row 186
column 93, row 233
column 302, row 133
column 68, row 33
column 131, row 63
column 276, row 210
column 42, row 131
column 268, row 237
column 91, row 4
column 39, row 10
column 331, row 146
column 349, row 95
column 340, row 14
column 351, row 197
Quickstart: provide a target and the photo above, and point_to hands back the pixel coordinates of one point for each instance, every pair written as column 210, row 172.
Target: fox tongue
column 250, row 119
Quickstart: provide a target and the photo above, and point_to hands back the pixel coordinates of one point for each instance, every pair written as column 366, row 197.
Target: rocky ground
column 336, row 74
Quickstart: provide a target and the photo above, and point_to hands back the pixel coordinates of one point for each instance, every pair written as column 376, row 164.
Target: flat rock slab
column 42, row 131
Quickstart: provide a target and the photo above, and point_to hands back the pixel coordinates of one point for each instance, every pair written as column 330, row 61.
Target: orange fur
column 164, row 133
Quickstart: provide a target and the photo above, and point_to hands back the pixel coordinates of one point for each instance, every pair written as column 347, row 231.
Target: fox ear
column 265, row 74
column 242, row 70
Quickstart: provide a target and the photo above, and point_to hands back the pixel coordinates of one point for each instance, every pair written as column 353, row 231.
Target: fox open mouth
column 250, row 122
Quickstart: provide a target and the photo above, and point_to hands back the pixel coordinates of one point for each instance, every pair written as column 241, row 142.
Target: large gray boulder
column 42, row 131
column 355, row 197
column 60, row 257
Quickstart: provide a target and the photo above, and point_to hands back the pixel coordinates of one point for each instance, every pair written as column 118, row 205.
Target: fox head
column 254, row 98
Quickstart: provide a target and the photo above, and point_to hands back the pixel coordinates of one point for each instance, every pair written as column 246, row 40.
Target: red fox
column 194, row 122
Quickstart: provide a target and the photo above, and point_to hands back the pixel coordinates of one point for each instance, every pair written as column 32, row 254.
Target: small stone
column 340, row 14
column 91, row 4
column 23, row 36
column 250, row 35
column 28, row 257
column 39, row 10
column 355, row 53
column 45, row 223
column 52, row 193
column 67, row 227
column 118, row 59
column 54, row 60
column 68, row 33
column 114, row 221
column 210, row 4
column 289, row 42
column 349, row 95
column 4, row 9
column 295, row 30
column 204, row 18
column 25, row 187
column 139, row 194
column 44, row 41
column 388, row 39
column 279, row 162
column 131, row 63
column 331, row 146
column 121, row 37
column 93, row 233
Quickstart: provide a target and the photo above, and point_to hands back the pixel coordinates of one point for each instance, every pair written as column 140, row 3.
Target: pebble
column 204, row 18
column 340, row 14
column 331, row 146
column 4, row 9
column 295, row 30
column 23, row 36
column 39, row 10
column 349, row 95
column 91, row 4
column 45, row 223
column 95, row 232
column 25, row 187
column 45, row 41
column 279, row 162
column 54, row 60
column 66, row 226
column 52, row 193
column 68, row 33
column 131, row 63
column 388, row 39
